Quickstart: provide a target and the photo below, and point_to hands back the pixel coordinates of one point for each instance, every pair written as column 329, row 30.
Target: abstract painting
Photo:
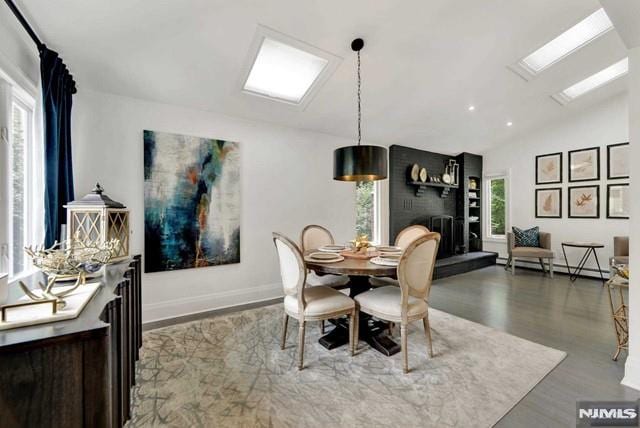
column 549, row 203
column 584, row 202
column 618, row 161
column 584, row 164
column 191, row 201
column 618, row 201
column 549, row 168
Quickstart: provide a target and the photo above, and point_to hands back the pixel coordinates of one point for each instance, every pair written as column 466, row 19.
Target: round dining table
column 359, row 271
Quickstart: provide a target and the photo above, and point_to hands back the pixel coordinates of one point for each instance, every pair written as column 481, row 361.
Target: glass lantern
column 96, row 219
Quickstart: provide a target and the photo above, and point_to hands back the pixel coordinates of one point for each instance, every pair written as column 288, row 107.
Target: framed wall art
column 618, row 161
column 549, row 203
column 584, row 164
column 618, row 201
column 584, row 201
column 549, row 168
column 191, row 201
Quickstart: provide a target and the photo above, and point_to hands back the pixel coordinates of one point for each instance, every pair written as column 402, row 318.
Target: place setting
column 324, row 257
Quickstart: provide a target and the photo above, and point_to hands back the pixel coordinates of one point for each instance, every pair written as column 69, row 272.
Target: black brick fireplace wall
column 405, row 208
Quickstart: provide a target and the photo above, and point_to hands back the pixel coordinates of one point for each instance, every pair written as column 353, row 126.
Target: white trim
column 191, row 305
column 263, row 32
column 631, row 373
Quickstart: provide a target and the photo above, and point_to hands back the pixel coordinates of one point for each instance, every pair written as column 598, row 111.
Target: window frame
column 19, row 90
column 29, row 184
column 488, row 178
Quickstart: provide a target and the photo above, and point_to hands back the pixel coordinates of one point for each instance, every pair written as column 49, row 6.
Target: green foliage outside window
column 498, row 221
column 364, row 208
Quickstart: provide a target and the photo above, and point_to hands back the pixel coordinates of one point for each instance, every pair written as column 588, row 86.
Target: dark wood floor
column 574, row 318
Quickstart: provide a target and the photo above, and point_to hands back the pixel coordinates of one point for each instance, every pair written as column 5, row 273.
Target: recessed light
column 594, row 81
column 509, row 123
column 472, row 108
column 584, row 32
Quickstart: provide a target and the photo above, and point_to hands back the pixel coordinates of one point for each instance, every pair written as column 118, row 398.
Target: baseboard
column 631, row 373
column 557, row 268
column 177, row 308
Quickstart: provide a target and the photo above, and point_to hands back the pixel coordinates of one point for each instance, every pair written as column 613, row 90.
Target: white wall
column 605, row 124
column 18, row 54
column 286, row 184
column 632, row 365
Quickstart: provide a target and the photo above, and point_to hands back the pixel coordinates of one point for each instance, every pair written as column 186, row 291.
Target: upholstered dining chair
column 409, row 301
column 404, row 238
column 314, row 237
column 308, row 303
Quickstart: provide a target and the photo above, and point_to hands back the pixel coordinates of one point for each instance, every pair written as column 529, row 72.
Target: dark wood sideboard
column 78, row 372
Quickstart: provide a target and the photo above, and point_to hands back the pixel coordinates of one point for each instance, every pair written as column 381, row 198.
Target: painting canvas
column 618, row 161
column 549, row 168
column 584, row 165
column 618, row 201
column 549, row 203
column 583, row 202
column 191, row 201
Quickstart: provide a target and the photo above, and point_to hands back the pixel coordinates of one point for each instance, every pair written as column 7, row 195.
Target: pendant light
column 361, row 162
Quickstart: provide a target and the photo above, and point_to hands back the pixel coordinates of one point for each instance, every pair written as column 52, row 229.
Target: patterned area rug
column 229, row 371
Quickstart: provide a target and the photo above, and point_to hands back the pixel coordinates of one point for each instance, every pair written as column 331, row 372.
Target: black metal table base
column 573, row 275
column 371, row 331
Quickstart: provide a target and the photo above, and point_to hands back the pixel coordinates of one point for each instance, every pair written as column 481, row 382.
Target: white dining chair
column 409, row 301
column 304, row 303
column 404, row 238
column 314, row 237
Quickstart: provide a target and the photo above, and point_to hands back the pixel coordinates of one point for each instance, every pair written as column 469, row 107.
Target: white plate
column 332, row 248
column 384, row 262
column 339, row 258
column 389, row 249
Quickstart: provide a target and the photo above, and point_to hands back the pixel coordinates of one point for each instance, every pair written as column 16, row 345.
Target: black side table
column 590, row 249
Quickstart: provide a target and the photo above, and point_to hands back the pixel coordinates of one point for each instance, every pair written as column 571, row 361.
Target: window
column 284, row 69
column 594, row 81
column 497, row 207
column 22, row 218
column 584, row 32
column 367, row 210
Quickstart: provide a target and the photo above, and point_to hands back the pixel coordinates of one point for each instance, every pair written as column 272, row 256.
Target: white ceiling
column 424, row 61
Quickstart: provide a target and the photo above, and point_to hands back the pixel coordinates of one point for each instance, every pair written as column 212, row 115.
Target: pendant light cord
column 359, row 102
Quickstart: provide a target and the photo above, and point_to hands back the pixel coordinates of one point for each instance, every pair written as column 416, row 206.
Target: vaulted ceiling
column 424, row 61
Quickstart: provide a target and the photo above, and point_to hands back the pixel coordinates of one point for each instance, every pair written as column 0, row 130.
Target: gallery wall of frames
column 583, row 196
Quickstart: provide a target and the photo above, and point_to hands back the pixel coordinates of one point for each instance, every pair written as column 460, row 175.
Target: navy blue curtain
column 57, row 90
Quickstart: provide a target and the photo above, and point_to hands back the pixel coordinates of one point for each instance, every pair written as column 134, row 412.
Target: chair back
column 410, row 234
column 292, row 270
column 314, row 237
column 620, row 246
column 415, row 269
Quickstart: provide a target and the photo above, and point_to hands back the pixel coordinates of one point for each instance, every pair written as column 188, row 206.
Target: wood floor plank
column 572, row 317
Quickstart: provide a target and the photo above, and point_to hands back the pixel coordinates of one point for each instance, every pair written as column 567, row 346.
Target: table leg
column 372, row 332
column 595, row 255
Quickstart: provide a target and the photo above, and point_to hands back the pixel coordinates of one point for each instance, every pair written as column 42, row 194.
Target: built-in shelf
column 422, row 187
column 471, row 198
column 474, row 222
column 476, row 206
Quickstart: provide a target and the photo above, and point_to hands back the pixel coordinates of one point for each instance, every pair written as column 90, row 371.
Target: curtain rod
column 25, row 24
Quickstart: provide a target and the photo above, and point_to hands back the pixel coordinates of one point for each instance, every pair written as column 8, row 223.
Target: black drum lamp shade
column 360, row 163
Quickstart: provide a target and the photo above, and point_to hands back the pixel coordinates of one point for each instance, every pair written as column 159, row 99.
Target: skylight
column 597, row 80
column 283, row 72
column 587, row 30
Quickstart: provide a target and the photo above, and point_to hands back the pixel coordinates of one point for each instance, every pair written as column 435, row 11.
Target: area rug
column 229, row 371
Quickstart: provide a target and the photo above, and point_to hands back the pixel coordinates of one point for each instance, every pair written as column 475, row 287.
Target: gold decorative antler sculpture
column 72, row 259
